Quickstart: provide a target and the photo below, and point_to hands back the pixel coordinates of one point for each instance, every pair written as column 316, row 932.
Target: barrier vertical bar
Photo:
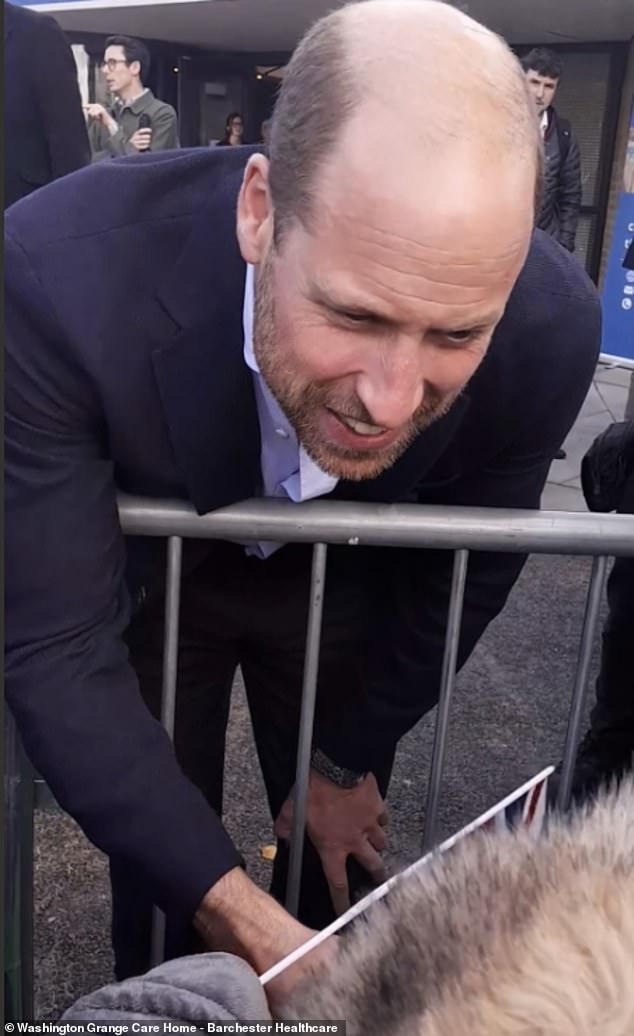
column 12, row 885
column 168, row 694
column 27, row 876
column 18, row 876
column 305, row 737
column 575, row 716
column 447, row 680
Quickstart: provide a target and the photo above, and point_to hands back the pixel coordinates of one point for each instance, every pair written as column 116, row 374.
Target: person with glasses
column 234, row 131
column 137, row 121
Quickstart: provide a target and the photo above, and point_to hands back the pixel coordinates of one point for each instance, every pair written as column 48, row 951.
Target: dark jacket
column 127, row 373
column 163, row 123
column 561, row 200
column 607, row 477
column 607, row 470
column 44, row 128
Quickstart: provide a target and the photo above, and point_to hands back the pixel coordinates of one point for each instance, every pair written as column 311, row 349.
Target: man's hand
column 98, row 113
column 342, row 822
column 237, row 917
column 141, row 139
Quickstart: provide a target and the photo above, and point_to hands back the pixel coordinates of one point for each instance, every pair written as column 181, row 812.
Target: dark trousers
column 240, row 610
column 613, row 713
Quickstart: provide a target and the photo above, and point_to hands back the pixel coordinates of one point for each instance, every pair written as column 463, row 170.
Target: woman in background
column 234, row 130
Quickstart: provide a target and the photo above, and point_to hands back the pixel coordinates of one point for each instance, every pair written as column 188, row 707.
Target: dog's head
column 502, row 936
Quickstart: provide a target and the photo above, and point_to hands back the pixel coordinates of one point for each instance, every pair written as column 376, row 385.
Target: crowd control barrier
column 322, row 523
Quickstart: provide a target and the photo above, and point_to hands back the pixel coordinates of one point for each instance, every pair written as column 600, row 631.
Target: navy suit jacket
column 124, row 371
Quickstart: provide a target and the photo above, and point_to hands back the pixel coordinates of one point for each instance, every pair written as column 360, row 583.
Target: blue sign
column 618, row 288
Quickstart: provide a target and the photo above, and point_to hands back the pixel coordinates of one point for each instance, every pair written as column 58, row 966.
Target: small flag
column 526, row 812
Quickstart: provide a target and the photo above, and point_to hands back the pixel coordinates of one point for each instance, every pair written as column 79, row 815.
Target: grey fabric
column 198, row 989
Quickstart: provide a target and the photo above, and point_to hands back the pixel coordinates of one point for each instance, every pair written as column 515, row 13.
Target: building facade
column 205, row 84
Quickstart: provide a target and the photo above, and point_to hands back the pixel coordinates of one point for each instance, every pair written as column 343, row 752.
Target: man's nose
column 391, row 387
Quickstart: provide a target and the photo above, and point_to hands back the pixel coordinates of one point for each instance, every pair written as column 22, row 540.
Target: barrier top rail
column 396, row 525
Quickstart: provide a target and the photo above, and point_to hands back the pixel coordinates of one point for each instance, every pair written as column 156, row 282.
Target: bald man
column 364, row 315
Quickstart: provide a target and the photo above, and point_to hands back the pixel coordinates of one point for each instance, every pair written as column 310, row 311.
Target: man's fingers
column 334, row 865
column 141, row 137
column 340, row 896
column 282, row 829
column 384, row 819
column 372, row 863
column 283, row 824
column 377, row 838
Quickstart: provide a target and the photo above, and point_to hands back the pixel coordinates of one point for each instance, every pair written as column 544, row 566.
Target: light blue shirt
column 287, row 470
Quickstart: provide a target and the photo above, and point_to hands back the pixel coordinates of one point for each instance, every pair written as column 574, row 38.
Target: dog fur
column 504, row 935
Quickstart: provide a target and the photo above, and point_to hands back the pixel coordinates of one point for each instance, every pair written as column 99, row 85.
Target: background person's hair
column 543, row 61
column 134, row 50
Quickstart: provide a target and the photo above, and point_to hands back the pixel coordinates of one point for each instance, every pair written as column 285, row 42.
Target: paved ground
column 508, row 720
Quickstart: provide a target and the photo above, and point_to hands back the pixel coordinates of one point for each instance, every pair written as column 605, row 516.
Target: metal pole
column 18, row 876
column 448, row 677
column 386, row 525
column 168, row 694
column 305, row 737
column 27, row 868
column 575, row 718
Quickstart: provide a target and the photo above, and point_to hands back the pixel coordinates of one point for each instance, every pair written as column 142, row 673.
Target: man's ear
column 255, row 210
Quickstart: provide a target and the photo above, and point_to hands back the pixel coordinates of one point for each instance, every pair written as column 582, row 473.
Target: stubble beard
column 301, row 400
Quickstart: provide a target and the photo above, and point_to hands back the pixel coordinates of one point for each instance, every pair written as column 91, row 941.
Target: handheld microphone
column 145, row 122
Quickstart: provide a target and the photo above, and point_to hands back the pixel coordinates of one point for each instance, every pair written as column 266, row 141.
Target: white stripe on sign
column 95, row 5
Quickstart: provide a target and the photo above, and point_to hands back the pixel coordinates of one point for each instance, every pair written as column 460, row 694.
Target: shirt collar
column 543, row 122
column 247, row 320
column 312, row 480
column 132, row 100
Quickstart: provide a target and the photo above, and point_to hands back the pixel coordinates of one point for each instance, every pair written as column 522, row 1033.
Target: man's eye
column 355, row 318
column 460, row 337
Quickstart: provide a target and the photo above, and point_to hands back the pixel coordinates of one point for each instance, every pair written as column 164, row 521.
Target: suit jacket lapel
column 205, row 386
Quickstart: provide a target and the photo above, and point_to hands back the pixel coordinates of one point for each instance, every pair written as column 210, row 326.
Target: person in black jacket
column 44, row 127
column 309, row 324
column 605, row 752
column 561, row 198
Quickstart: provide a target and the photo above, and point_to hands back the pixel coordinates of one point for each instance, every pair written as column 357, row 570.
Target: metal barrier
column 324, row 522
